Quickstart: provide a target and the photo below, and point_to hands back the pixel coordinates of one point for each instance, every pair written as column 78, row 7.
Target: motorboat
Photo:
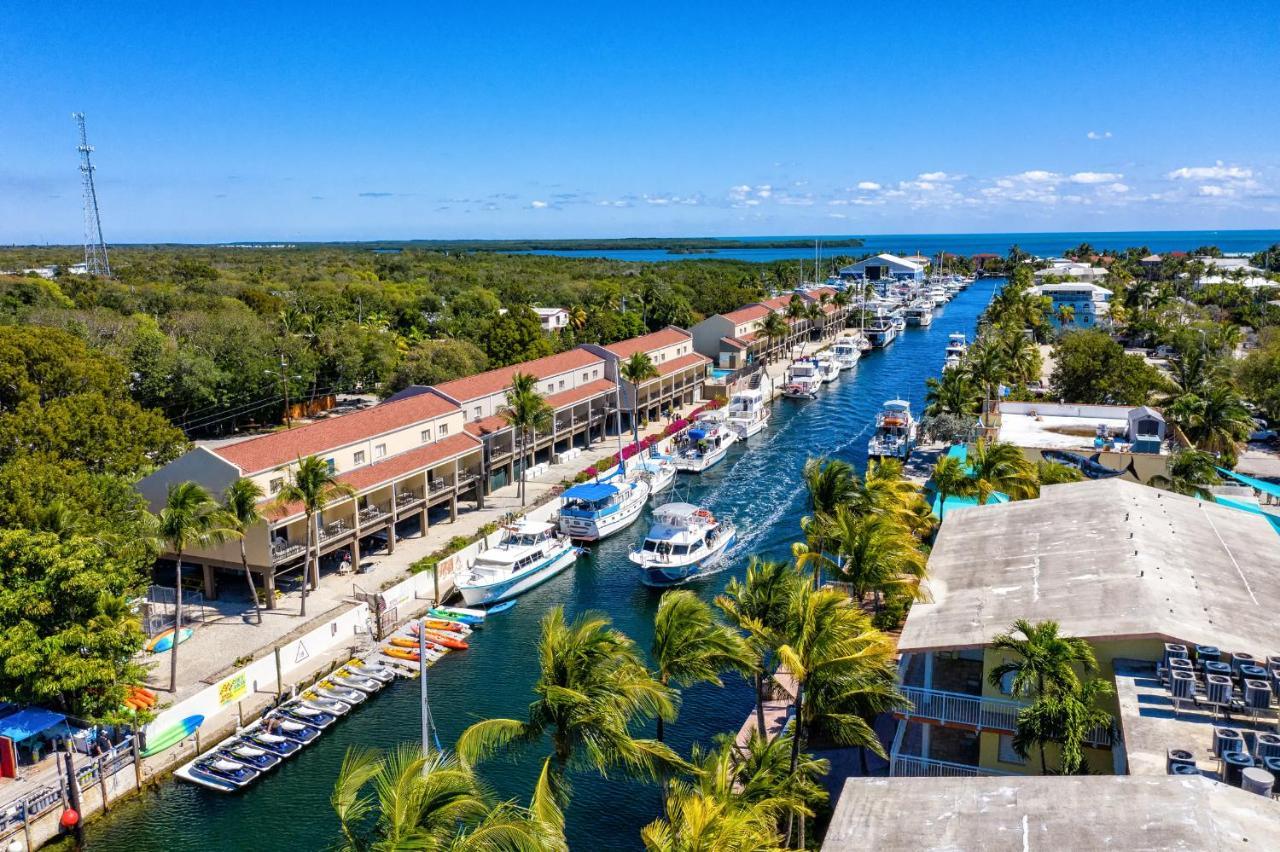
column 684, row 543
column 593, row 511
column 899, row 319
column 706, row 443
column 218, row 773
column 530, row 553
column 895, row 434
column 747, row 413
column 803, row 380
column 881, row 331
column 957, row 346
column 938, row 294
column 308, row 715
column 250, row 755
column 846, row 352
column 920, row 313
column 656, row 469
column 828, row 369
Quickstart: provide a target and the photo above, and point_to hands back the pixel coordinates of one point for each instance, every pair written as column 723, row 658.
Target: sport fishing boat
column 938, row 294
column 803, row 380
column 957, row 346
column 706, row 444
column 530, row 553
column 656, row 469
column 899, row 318
column 593, row 511
column 747, row 413
column 846, row 352
column 684, row 543
column 895, row 434
column 828, row 369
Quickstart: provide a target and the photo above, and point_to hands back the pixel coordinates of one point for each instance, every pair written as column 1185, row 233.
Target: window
column 277, row 484
column 358, row 458
column 444, row 429
column 379, row 451
column 562, row 384
column 595, row 374
column 332, row 465
column 1006, row 753
column 475, row 413
column 584, row 377
column 1006, row 684
column 426, row 436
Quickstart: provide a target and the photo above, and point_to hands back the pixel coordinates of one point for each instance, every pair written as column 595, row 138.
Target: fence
column 158, row 609
column 39, row 801
column 909, row 766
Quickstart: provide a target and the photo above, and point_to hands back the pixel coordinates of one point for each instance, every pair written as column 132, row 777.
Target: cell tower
column 95, row 248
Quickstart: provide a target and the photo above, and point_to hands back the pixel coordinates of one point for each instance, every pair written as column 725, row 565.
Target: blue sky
column 289, row 121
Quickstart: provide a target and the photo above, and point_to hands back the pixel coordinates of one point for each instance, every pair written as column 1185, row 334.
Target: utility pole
column 95, row 249
column 422, row 675
column 284, row 377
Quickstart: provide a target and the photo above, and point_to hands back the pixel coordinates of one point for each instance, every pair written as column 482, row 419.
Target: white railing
column 976, row 711
column 908, row 766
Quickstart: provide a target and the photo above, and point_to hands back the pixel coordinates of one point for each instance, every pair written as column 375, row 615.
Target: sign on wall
column 232, row 689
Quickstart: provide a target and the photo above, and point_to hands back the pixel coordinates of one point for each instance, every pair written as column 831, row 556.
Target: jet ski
column 273, row 743
column 300, row 712
column 332, row 706
column 248, row 754
column 329, row 689
column 226, row 770
column 299, row 732
column 346, row 677
column 376, row 672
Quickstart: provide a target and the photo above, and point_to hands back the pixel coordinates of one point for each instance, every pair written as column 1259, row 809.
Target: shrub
column 893, row 614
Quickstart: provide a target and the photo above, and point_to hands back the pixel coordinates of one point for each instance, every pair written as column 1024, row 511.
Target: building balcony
column 375, row 512
column 407, row 498
column 439, row 484
column 282, row 553
column 976, row 712
column 911, row 766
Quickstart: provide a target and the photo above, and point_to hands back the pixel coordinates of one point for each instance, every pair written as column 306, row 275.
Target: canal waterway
column 758, row 486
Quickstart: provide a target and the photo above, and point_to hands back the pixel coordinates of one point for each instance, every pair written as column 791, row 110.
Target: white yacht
column 531, row 552
column 957, row 346
column 938, row 294
column 747, row 413
column 594, row 511
column 656, row 469
column 828, row 369
column 803, row 380
column 846, row 351
column 920, row 312
column 684, row 543
column 895, row 434
column 899, row 318
column 706, row 443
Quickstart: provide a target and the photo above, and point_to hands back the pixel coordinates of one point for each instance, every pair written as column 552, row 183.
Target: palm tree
column 578, row 318
column 877, row 553
column 1021, row 356
column 986, row 367
column 883, row 489
column 828, row 483
column 762, row 772
column 591, row 688
column 831, row 647
column 1216, row 422
column 527, row 411
column 190, row 518
column 954, row 393
column 1066, row 315
column 758, row 606
column 636, row 370
column 815, row 315
column 694, row 819
column 434, row 802
column 775, row 329
column 1191, row 472
column 999, row 466
column 796, row 311
column 1066, row 718
column 312, row 484
column 240, row 503
column 690, row 646
column 1056, row 473
column 1044, row 662
column 950, row 479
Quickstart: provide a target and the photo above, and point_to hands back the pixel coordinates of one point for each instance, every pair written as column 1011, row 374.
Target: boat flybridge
column 530, row 553
column 920, row 312
column 706, row 443
column 656, row 469
column 748, row 413
column 803, row 380
column 684, row 543
column 828, row 369
column 957, row 346
column 846, row 351
column 895, row 435
column 594, row 511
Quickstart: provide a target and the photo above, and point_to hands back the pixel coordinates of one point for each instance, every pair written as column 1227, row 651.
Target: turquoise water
column 757, row 486
column 718, row 373
column 1042, row 244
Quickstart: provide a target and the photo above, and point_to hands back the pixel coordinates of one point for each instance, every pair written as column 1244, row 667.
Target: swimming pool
column 719, row 375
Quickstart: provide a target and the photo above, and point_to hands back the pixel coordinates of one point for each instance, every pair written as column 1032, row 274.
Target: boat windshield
column 523, row 539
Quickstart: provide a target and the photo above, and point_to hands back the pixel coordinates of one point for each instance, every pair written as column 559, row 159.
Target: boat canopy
column 28, row 722
column 897, row 405
column 525, row 527
column 591, row 492
column 677, row 510
column 697, row 434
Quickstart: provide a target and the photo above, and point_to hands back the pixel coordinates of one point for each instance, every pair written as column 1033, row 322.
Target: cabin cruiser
column 684, row 542
column 899, row 318
column 881, row 331
column 957, row 346
column 594, row 511
column 895, row 434
column 530, row 553
column 657, row 470
column 706, row 443
column 828, row 369
column 920, row 312
column 803, row 380
column 747, row 413
column 938, row 294
column 845, row 351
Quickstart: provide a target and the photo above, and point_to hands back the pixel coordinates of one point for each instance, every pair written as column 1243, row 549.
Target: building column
column 210, row 583
column 422, row 522
column 453, row 506
column 395, row 517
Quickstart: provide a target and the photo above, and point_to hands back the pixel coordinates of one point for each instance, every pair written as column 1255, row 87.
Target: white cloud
column 869, row 185
column 836, row 216
column 1218, row 171
column 1214, row 191
column 1039, row 176
column 537, row 205
column 1095, row 177
column 1117, row 187
column 764, row 190
column 1095, row 135
column 934, row 177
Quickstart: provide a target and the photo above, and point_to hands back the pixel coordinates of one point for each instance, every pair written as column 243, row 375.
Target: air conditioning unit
column 1234, row 763
column 1178, row 757
column 1205, row 653
column 1257, row 694
column 1183, row 684
column 1266, row 745
column 1226, row 741
column 1240, row 658
column 1217, row 688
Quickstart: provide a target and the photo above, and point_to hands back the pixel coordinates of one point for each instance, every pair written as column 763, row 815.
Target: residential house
column 552, row 319
column 1101, row 441
column 1070, row 270
column 984, row 259
column 1090, row 304
column 735, row 340
column 681, row 371
column 406, row 459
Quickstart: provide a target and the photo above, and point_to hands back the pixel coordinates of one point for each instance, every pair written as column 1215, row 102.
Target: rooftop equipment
column 1178, row 757
column 1207, row 652
column 1234, row 763
column 1217, row 688
column 1266, row 745
column 1173, row 651
column 1240, row 658
column 1217, row 668
column 1226, row 740
column 1257, row 694
column 1256, row 780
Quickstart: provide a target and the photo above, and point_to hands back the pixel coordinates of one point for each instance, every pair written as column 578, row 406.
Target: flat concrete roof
column 1054, row 431
column 1049, row 813
column 1106, row 559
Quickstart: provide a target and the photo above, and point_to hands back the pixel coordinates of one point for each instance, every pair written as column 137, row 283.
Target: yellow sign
column 232, row 689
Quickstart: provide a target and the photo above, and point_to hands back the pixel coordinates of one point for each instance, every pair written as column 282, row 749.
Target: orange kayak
column 402, row 654
column 412, row 644
column 433, row 624
column 447, row 641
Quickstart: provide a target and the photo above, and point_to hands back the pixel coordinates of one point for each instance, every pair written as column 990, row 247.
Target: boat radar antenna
column 96, row 261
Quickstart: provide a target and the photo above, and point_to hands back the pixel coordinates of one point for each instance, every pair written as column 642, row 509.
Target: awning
column 591, row 492
column 1258, row 484
column 26, row 723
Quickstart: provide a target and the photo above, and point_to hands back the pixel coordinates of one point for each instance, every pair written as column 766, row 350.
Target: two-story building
column 835, row 317
column 404, row 458
column 681, row 371
column 1090, row 304
column 574, row 384
column 552, row 319
column 735, row 340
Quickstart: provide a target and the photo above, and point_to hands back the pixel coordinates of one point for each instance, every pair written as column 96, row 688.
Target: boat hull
column 662, row 575
column 698, row 464
column 492, row 593
column 600, row 527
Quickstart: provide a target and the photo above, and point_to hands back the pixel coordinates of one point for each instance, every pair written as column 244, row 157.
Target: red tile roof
column 750, row 338
column 487, row 425
column 817, row 293
column 499, row 380
column 750, row 312
column 397, row 466
column 668, row 336
column 675, row 365
column 268, row 451
column 778, row 303
column 734, row 342
column 591, row 389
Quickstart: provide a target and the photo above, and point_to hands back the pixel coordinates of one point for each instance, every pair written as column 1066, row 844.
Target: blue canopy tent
column 1258, row 485
column 30, row 722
